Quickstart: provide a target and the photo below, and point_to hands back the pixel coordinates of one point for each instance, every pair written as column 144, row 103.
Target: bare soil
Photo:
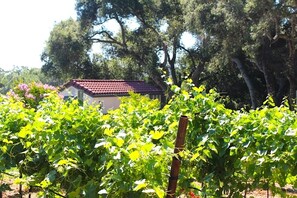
column 14, row 192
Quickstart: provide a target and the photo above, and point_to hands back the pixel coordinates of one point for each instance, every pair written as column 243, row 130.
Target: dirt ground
column 263, row 194
column 14, row 193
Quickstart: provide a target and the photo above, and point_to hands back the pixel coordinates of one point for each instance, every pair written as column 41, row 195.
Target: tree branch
column 175, row 44
column 107, row 34
column 123, row 32
column 248, row 81
column 172, row 62
column 189, row 53
column 165, row 56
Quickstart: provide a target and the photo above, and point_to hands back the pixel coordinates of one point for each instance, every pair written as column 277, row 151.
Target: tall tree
column 254, row 35
column 66, row 52
column 274, row 30
column 154, row 45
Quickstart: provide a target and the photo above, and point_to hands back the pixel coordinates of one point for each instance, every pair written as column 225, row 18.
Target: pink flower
column 30, row 96
column 13, row 94
column 46, row 86
column 23, row 87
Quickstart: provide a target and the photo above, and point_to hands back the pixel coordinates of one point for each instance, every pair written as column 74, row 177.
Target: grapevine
column 67, row 149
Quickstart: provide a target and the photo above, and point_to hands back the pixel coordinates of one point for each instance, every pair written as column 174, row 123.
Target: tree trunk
column 173, row 73
column 248, row 81
column 292, row 73
column 196, row 74
column 270, row 83
column 156, row 77
column 292, row 70
column 292, row 94
column 268, row 71
column 283, row 85
column 172, row 61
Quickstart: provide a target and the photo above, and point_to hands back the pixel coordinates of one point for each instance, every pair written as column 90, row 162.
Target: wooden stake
column 176, row 159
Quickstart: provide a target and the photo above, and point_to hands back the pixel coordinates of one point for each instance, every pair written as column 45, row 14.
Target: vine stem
column 246, row 188
column 21, row 186
column 30, row 191
column 52, row 191
column 7, row 174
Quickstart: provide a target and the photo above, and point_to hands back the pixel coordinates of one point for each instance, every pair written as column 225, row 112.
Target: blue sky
column 25, row 27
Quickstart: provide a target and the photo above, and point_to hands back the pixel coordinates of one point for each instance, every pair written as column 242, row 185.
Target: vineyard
column 68, row 150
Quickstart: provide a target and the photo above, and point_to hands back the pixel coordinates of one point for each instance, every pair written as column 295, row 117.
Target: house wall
column 106, row 102
column 110, row 102
column 70, row 92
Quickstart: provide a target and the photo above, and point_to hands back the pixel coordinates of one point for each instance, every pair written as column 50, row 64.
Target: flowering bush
column 31, row 94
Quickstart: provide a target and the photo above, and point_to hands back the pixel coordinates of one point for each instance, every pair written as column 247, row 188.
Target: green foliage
column 144, row 39
column 259, row 34
column 13, row 117
column 66, row 53
column 10, row 79
column 80, row 152
column 31, row 95
column 148, row 37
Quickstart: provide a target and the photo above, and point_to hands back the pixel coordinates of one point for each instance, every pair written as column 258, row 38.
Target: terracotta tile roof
column 112, row 87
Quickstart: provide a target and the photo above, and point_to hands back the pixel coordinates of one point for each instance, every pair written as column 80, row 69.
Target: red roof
column 113, row 87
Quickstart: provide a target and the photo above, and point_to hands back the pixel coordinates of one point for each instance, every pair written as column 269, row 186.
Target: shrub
column 31, row 94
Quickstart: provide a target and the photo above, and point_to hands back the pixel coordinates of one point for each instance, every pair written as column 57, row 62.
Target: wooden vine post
column 176, row 159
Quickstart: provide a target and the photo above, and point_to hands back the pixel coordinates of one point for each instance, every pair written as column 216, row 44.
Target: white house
column 107, row 92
